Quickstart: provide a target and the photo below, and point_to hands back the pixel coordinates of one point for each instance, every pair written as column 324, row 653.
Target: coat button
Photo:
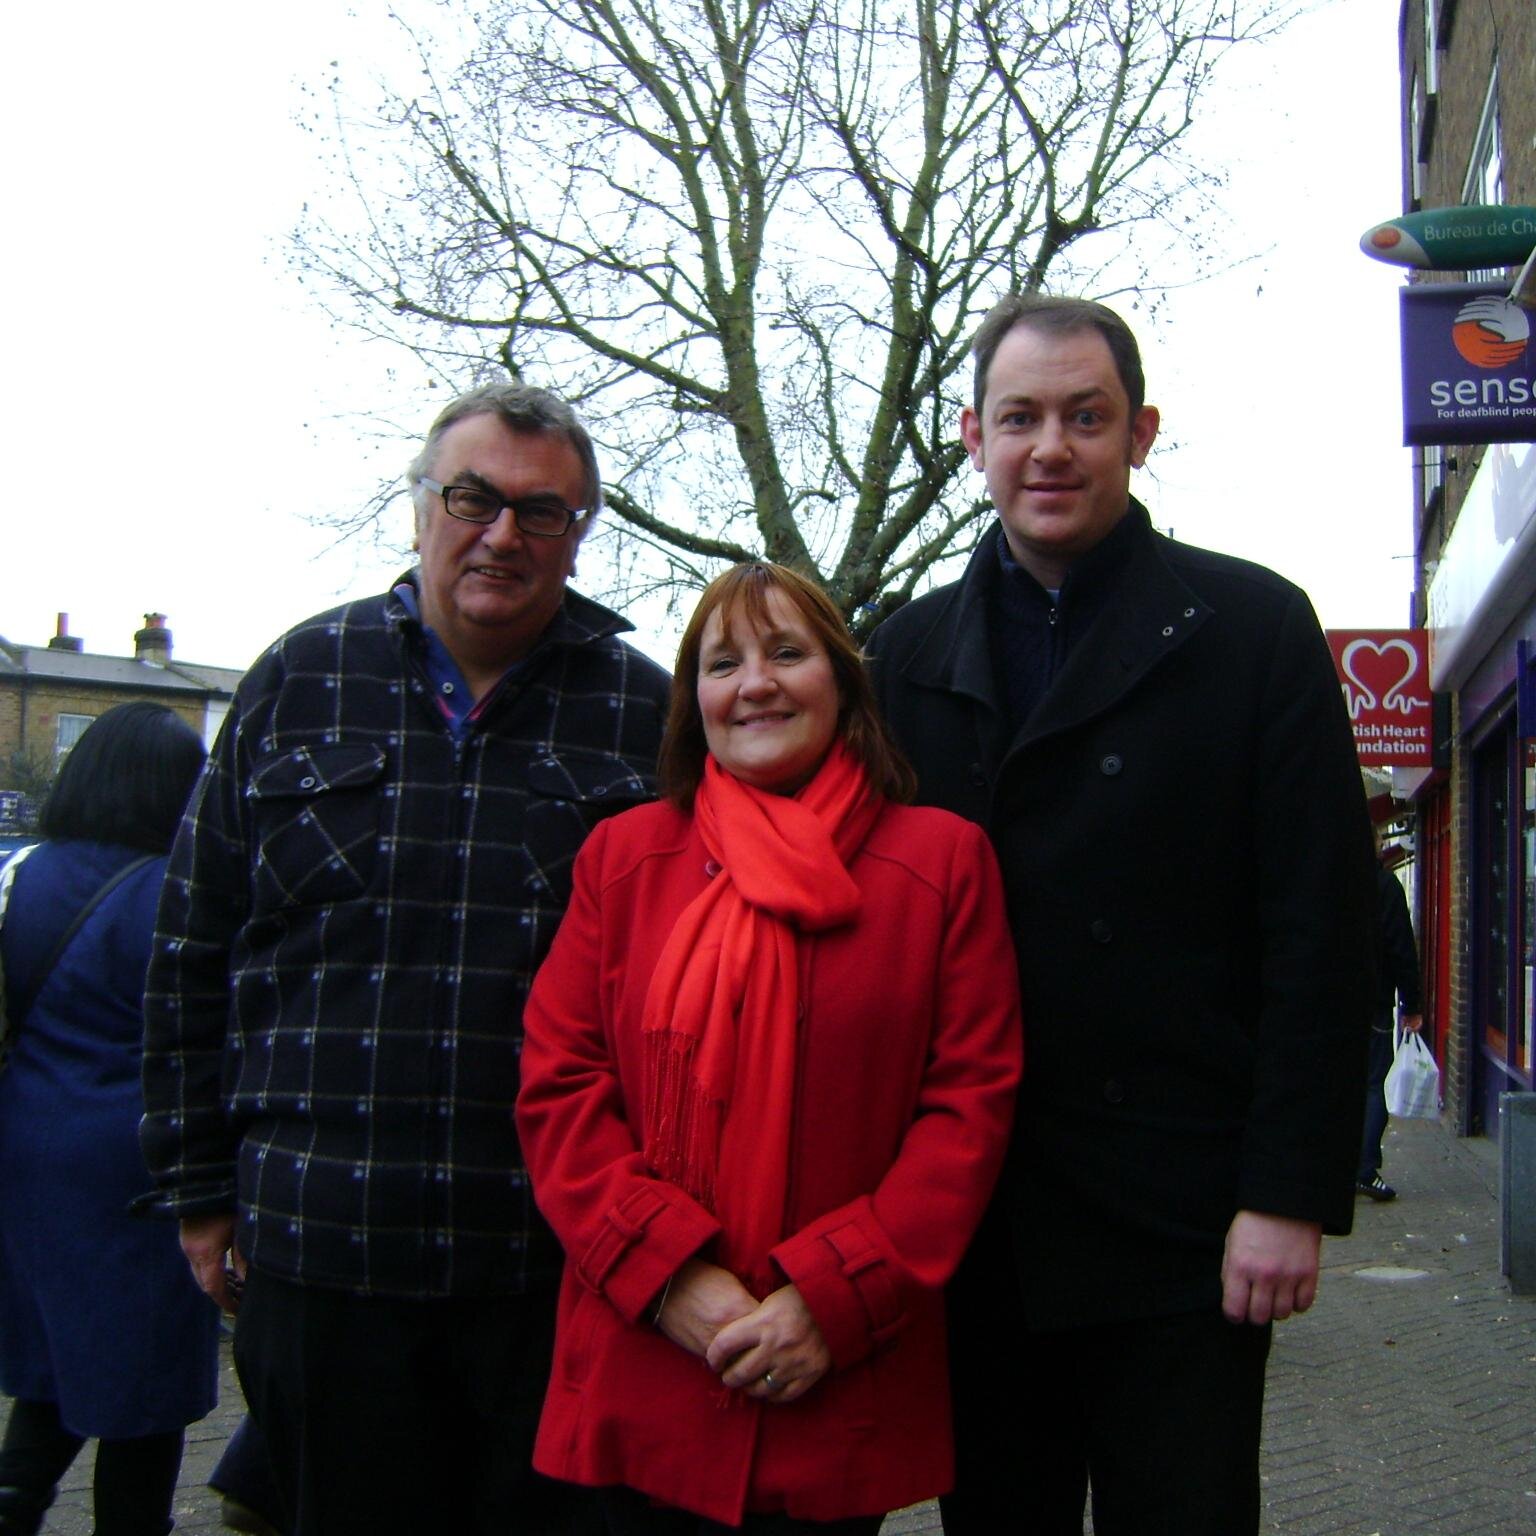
column 1111, row 764
column 711, row 868
column 978, row 778
column 1114, row 1092
column 1100, row 931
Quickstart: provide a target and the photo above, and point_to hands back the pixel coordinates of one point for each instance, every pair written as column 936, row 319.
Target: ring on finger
column 770, row 1383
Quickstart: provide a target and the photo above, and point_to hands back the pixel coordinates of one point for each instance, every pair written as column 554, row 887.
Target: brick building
column 50, row 693
column 1468, row 106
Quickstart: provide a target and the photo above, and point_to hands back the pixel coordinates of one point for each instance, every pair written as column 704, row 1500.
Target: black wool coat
column 1183, row 835
column 1397, row 951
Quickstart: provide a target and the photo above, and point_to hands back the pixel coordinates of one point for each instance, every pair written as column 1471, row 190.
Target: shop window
column 1503, row 920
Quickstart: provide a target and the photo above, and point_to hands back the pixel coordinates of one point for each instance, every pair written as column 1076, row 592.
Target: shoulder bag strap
column 67, row 937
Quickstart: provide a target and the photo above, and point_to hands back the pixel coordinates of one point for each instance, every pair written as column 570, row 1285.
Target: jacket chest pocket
column 568, row 794
column 316, row 814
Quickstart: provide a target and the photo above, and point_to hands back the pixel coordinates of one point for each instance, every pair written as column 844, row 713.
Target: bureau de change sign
column 1385, row 677
column 1458, row 239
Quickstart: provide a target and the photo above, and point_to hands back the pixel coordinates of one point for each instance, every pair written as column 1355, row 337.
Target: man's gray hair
column 524, row 408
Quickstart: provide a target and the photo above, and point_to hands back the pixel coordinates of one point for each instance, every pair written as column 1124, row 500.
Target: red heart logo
column 1379, row 674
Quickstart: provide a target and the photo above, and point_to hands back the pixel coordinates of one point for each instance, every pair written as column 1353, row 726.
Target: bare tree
column 752, row 238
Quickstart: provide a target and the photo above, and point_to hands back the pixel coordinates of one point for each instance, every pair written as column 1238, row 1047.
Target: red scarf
column 720, row 1018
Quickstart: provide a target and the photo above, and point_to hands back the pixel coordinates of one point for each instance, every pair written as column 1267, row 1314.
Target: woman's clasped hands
column 770, row 1349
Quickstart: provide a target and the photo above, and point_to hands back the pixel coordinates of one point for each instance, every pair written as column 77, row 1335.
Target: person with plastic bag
column 103, row 1333
column 1397, row 981
column 767, row 1080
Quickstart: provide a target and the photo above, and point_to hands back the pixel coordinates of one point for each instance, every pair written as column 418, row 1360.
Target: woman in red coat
column 768, row 1077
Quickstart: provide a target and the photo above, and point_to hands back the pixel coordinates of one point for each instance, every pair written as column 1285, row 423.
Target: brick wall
column 1479, row 32
column 10, row 720
column 29, row 715
column 1473, row 34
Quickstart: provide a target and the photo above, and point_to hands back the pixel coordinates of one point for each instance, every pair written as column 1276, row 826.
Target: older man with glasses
column 369, row 876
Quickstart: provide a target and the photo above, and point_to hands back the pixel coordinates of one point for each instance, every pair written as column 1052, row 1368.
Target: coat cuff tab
column 865, row 1269
column 623, row 1226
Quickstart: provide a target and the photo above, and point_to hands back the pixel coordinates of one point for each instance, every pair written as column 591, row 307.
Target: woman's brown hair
column 741, row 593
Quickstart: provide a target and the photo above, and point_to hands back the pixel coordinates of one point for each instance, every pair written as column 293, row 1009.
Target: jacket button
column 711, row 868
column 1100, row 931
column 1111, row 764
column 1114, row 1092
column 978, row 778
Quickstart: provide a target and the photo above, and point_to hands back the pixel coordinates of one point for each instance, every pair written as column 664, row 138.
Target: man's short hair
column 523, row 408
column 1058, row 317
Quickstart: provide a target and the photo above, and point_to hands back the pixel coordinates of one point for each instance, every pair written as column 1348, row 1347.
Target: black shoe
column 236, row 1516
column 1375, row 1188
column 21, row 1512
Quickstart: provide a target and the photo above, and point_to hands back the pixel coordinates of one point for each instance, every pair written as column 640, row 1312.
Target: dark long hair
column 742, row 593
column 126, row 780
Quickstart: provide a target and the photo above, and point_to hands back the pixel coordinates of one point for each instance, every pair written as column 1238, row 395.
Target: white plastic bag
column 1413, row 1080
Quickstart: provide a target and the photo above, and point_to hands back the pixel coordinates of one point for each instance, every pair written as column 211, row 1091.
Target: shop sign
column 1385, row 677
column 1461, row 239
column 1469, row 369
column 1487, row 570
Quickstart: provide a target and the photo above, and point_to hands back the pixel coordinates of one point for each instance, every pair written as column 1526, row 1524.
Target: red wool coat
column 909, row 1060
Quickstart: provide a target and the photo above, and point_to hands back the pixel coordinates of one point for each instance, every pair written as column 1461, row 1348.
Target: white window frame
column 1484, row 181
column 67, row 730
column 1432, row 476
column 1415, row 128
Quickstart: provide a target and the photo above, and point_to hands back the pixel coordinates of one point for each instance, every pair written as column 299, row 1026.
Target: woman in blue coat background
column 103, row 1333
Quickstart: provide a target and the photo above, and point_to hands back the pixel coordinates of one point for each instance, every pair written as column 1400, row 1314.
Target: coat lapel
column 957, row 658
column 1152, row 613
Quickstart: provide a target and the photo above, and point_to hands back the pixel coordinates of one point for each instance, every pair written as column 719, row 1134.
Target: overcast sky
column 179, row 413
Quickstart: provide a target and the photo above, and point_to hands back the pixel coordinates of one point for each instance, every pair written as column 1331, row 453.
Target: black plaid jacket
column 355, row 908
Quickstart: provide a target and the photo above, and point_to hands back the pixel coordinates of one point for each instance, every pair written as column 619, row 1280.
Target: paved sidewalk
column 1403, row 1404
column 1405, row 1401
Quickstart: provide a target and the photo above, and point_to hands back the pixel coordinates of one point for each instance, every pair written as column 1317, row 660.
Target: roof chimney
column 62, row 639
column 152, row 644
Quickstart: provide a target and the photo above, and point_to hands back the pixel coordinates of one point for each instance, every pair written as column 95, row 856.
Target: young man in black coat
column 1156, row 741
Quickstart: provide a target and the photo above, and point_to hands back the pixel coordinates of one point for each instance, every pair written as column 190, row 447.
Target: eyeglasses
column 542, row 516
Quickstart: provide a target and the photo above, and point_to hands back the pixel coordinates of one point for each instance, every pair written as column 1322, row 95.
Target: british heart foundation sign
column 1385, row 677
